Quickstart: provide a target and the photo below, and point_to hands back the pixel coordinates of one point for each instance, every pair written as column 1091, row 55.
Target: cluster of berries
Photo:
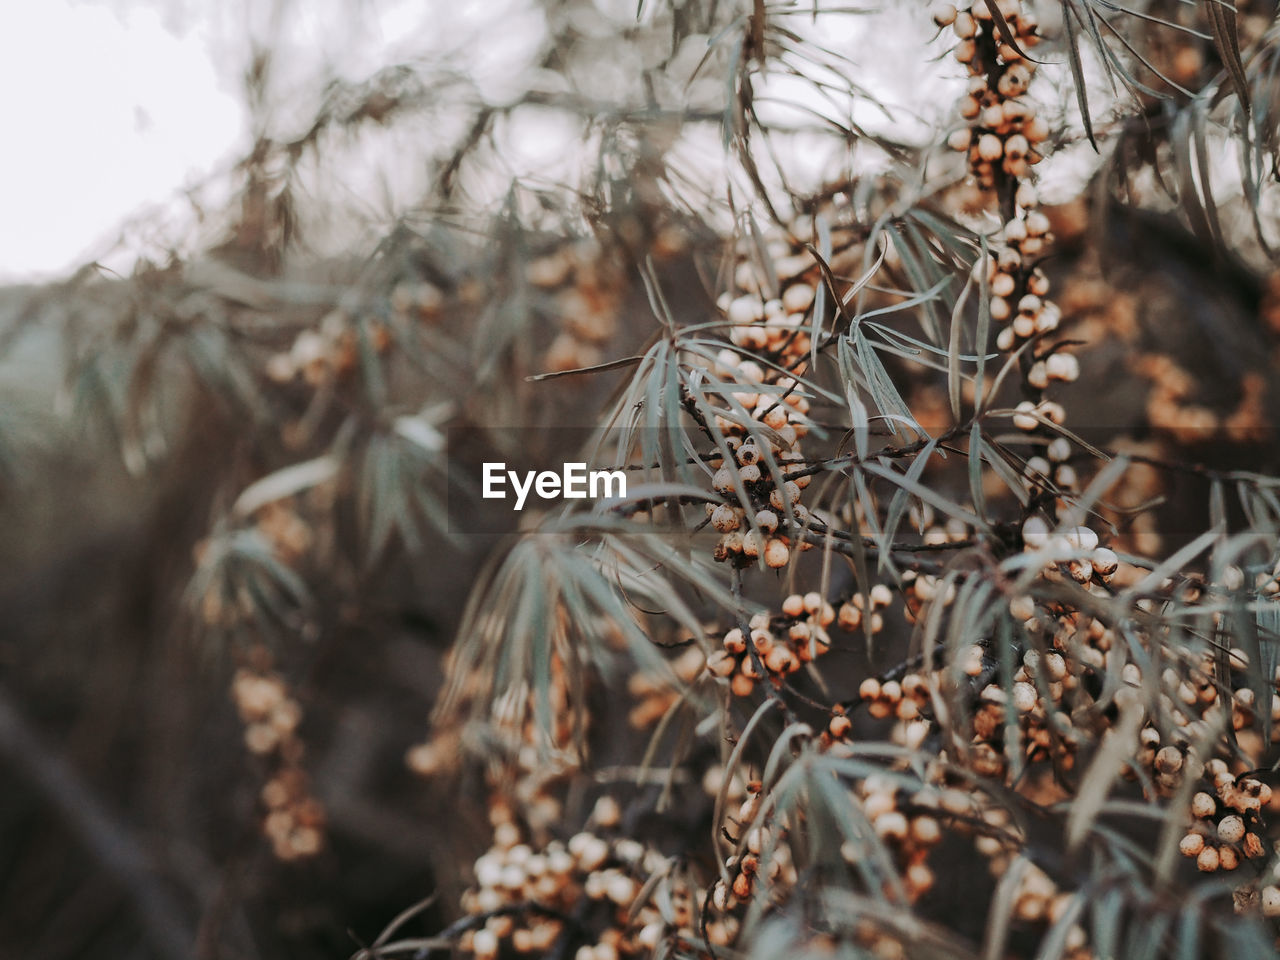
column 909, row 826
column 774, row 647
column 765, row 412
column 863, row 613
column 290, row 536
column 1225, row 825
column 594, row 877
column 1003, row 132
column 762, row 538
column 295, row 819
column 328, row 353
column 416, row 301
column 534, row 761
column 1003, row 138
column 655, row 695
column 764, row 853
column 581, row 290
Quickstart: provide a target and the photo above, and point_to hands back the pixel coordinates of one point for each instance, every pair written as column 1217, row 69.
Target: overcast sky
column 104, row 114
column 113, row 107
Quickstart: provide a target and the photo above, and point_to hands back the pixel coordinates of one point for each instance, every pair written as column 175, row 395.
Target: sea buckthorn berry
column 1207, row 860
column 776, row 554
column 1231, row 829
column 790, row 493
column 1082, row 538
column 1063, row 366
column 1046, row 321
column 993, row 116
column 484, row 944
column 1055, row 413
column 1025, row 697
column 725, row 518
column 1035, row 532
column 1015, row 231
column 1270, row 901
column 1059, row 449
column 891, row 825
column 745, row 310
column 1104, row 561
column 990, row 147
column 850, row 617
column 1038, row 376
column 1191, row 845
column 1169, row 759
column 1024, row 416
column 762, row 640
column 721, row 663
column 1203, row 805
column 781, row 660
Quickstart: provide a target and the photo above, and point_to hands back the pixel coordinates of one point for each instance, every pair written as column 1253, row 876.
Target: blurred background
column 258, row 256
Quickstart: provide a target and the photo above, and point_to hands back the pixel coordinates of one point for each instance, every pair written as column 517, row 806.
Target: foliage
column 906, row 640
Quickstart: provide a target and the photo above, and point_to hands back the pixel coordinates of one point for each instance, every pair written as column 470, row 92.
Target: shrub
column 940, row 615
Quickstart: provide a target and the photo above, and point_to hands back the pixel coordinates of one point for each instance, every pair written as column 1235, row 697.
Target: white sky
column 105, row 115
column 114, row 107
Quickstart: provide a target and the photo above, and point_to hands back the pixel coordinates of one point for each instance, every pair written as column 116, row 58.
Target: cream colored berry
column 724, row 518
column 1207, row 861
column 1270, row 901
column 1169, row 759
column 990, row 147
column 944, row 14
column 959, row 140
column 1035, row 532
column 1024, row 416
column 1203, row 805
column 484, row 944
column 1231, row 829
column 1024, row 697
column 776, row 554
column 1191, row 845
